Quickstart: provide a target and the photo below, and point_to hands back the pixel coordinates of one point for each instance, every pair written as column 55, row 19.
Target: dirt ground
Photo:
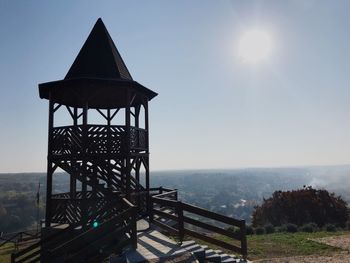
column 183, row 258
column 338, row 241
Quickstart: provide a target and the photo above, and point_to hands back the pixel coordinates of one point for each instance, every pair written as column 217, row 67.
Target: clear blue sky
column 213, row 111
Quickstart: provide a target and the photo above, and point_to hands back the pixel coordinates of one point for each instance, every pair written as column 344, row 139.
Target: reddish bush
column 300, row 207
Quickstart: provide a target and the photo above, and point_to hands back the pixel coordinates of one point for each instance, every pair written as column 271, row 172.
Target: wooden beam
column 127, row 127
column 49, row 164
column 84, row 171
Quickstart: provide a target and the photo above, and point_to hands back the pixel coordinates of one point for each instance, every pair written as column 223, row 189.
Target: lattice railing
column 66, row 140
column 138, row 139
column 100, row 139
column 105, row 139
column 67, row 210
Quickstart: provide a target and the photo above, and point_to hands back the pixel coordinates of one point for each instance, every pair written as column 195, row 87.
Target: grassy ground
column 289, row 244
column 286, row 244
column 5, row 253
column 261, row 246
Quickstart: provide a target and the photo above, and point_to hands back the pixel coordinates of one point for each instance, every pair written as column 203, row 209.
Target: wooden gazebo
column 107, row 161
column 105, row 158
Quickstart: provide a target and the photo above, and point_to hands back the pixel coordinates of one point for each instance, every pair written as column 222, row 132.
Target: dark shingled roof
column 99, row 57
column 98, row 76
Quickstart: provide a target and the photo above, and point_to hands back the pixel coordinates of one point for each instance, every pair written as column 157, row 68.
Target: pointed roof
column 99, row 57
column 98, row 77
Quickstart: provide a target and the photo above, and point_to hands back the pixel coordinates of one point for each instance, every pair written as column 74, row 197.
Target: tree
column 300, row 207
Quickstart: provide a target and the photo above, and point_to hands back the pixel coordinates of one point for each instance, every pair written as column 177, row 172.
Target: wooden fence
column 173, row 216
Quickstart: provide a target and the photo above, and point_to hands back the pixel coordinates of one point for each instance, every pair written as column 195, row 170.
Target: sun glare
column 254, row 46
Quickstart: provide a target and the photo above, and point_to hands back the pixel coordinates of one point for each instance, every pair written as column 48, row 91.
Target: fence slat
column 180, row 219
column 164, row 214
column 202, row 212
column 215, row 229
column 164, row 202
column 166, row 227
column 213, row 241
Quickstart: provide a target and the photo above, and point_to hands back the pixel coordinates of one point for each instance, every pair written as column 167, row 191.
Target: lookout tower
column 102, row 144
column 104, row 159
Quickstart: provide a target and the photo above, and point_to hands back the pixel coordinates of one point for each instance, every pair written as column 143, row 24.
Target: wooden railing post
column 243, row 233
column 150, row 213
column 180, row 215
column 134, row 227
column 176, row 194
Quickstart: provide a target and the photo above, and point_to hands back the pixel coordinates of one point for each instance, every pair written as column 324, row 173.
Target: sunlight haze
column 240, row 83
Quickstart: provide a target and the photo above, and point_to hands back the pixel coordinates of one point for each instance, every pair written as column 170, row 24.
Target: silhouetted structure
column 107, row 158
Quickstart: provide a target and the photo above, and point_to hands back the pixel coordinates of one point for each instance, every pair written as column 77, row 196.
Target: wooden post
column 138, row 163
column 127, row 159
column 48, row 214
column 85, row 170
column 73, row 181
column 134, row 227
column 109, row 147
column 243, row 234
column 137, row 175
column 180, row 215
column 150, row 209
column 176, row 196
column 147, row 144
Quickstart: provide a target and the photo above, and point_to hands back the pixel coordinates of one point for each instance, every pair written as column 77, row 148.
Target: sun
column 254, row 46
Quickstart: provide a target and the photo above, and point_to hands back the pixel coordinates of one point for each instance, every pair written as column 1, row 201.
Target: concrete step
column 228, row 259
column 211, row 256
column 192, row 247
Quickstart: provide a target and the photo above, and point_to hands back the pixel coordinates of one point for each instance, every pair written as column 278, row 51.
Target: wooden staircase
column 85, row 243
column 154, row 246
column 117, row 231
column 205, row 254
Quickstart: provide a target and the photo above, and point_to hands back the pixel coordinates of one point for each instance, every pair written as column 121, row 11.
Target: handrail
column 212, row 215
column 102, row 233
column 17, row 237
column 62, row 232
column 67, row 244
column 178, row 209
column 166, row 194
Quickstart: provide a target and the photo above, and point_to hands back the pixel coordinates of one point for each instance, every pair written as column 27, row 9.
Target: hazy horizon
column 216, row 169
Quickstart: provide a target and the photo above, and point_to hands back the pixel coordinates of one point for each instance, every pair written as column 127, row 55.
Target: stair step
column 211, row 256
column 188, row 243
column 199, row 254
column 193, row 248
column 228, row 260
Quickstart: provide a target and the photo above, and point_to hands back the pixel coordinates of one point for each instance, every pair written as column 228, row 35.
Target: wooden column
column 84, row 170
column 127, row 148
column 73, row 181
column 147, row 144
column 138, row 164
column 50, row 170
column 109, row 138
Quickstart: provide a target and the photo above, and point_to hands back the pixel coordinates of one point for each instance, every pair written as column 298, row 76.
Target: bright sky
column 214, row 110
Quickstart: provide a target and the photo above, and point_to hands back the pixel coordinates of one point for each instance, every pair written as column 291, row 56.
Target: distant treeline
column 231, row 192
